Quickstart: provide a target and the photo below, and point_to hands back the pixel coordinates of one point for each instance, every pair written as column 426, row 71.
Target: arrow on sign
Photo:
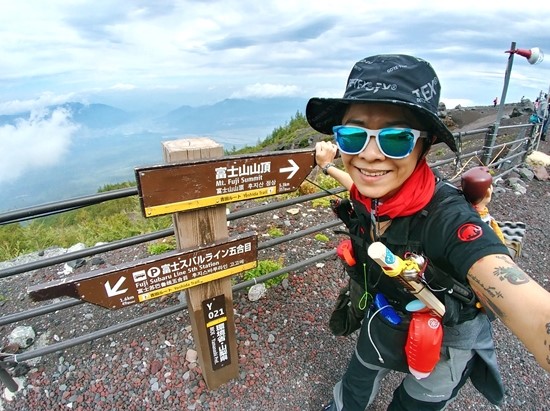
column 111, row 292
column 292, row 169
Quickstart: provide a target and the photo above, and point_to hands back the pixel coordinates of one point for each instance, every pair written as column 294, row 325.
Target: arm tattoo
column 486, row 302
column 512, row 274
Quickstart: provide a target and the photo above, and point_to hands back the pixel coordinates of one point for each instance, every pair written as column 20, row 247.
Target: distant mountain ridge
column 229, row 113
column 111, row 142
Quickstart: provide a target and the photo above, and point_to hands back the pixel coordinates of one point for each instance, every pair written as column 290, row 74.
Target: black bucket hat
column 390, row 78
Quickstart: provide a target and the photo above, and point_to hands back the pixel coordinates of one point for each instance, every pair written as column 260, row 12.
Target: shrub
column 321, row 237
column 265, row 267
column 275, row 232
column 163, row 246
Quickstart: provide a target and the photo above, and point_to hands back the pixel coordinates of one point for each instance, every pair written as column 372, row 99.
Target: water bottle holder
column 388, row 342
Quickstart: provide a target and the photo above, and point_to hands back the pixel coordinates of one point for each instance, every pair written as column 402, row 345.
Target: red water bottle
column 423, row 343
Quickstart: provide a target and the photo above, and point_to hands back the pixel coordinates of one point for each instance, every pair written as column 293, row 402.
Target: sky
column 156, row 54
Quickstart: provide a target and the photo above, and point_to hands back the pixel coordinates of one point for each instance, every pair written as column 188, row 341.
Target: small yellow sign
column 196, row 281
column 208, row 201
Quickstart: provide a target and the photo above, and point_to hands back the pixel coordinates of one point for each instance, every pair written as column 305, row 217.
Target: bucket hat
column 388, row 78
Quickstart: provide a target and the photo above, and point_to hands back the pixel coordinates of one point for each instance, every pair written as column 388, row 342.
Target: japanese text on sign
column 180, row 187
column 216, row 329
column 153, row 277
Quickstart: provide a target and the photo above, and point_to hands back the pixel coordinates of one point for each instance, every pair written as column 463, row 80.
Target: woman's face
column 375, row 175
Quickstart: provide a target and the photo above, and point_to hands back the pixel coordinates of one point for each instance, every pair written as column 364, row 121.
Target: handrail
column 142, row 238
column 62, row 345
column 66, row 205
column 57, row 207
column 49, row 308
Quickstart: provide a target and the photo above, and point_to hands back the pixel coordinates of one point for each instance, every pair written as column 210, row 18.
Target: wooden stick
column 394, row 266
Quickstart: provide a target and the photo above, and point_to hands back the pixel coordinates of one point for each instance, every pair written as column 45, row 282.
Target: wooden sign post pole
column 210, row 305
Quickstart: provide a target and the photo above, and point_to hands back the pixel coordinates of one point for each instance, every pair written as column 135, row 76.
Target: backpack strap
column 459, row 298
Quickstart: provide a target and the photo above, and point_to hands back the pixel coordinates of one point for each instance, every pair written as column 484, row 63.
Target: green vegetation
column 265, row 267
column 162, row 246
column 275, row 232
column 295, row 134
column 105, row 222
column 322, row 237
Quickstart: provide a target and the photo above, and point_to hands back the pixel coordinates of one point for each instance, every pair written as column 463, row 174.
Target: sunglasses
column 393, row 142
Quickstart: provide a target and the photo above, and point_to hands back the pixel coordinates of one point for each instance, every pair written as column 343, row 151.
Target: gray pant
column 361, row 381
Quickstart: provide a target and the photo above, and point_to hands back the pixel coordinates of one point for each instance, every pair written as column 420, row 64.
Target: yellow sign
column 196, row 281
column 208, row 201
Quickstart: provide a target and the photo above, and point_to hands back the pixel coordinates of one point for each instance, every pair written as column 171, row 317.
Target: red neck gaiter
column 414, row 194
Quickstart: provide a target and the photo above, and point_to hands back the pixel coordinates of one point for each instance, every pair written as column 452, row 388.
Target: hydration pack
column 405, row 235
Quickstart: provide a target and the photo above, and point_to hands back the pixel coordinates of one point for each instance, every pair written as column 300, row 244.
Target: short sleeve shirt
column 455, row 237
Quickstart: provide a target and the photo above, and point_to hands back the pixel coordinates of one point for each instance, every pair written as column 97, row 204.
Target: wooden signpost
column 153, row 277
column 194, row 185
column 197, row 184
column 193, row 228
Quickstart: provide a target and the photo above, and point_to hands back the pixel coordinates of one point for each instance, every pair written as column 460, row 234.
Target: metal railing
column 515, row 141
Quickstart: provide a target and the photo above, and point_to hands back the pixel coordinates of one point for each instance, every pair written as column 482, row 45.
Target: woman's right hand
column 325, row 153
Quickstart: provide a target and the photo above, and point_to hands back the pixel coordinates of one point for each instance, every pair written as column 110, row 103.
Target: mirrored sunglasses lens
column 396, row 143
column 350, row 139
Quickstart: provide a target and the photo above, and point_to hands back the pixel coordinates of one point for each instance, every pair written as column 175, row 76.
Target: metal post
column 490, row 141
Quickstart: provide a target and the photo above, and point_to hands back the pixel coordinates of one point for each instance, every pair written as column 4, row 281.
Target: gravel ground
column 288, row 359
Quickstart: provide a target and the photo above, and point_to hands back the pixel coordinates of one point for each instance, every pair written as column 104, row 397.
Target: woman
column 384, row 127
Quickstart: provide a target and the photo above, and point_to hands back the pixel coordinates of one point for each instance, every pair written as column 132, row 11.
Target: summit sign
column 186, row 186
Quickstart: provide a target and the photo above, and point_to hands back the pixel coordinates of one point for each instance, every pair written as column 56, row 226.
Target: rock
column 525, row 173
column 76, row 247
column 514, row 182
column 541, row 173
column 537, row 158
column 80, row 262
column 11, row 348
column 156, row 366
column 285, row 284
column 256, row 292
column 191, row 355
column 67, row 269
column 97, row 261
column 23, row 336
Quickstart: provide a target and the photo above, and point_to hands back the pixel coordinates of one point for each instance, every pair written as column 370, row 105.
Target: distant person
column 542, row 113
column 495, row 101
column 536, row 105
column 383, row 135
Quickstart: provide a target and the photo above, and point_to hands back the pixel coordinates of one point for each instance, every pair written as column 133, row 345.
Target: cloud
column 266, row 90
column 45, row 100
column 38, row 142
column 123, row 87
column 64, row 46
column 298, row 33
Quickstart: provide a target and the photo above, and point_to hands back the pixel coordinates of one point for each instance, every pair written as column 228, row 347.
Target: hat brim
column 324, row 113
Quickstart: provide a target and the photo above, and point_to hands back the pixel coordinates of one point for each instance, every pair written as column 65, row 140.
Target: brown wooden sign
column 171, row 188
column 146, row 279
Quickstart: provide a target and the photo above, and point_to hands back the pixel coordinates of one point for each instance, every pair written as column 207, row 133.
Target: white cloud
column 266, row 90
column 38, row 142
column 123, row 87
column 45, row 100
column 64, row 46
